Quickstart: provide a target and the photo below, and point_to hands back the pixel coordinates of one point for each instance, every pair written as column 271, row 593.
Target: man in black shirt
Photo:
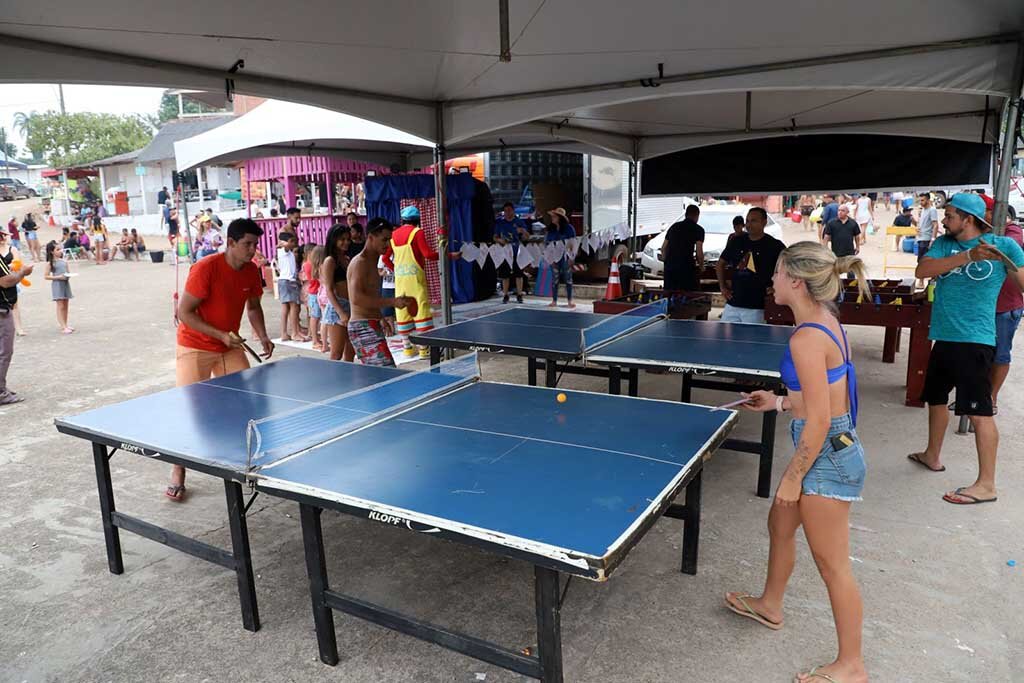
column 844, row 234
column 752, row 256
column 682, row 252
column 905, row 219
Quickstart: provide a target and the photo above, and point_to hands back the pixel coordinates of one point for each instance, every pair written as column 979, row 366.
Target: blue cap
column 969, row 203
column 908, row 204
column 410, row 212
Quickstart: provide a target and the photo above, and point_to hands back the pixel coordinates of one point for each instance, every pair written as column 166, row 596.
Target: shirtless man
column 365, row 330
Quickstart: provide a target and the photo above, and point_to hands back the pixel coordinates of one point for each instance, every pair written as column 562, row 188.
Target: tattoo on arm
column 802, row 461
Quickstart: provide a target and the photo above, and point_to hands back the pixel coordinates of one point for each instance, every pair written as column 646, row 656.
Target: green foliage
column 73, row 139
column 7, row 148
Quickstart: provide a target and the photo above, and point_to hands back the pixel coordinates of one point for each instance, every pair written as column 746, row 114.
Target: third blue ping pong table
column 706, row 354
column 431, row 452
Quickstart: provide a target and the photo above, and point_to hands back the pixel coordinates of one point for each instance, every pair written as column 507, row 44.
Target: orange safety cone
column 614, row 290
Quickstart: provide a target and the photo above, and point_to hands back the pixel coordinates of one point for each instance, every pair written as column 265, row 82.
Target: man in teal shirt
column 969, row 267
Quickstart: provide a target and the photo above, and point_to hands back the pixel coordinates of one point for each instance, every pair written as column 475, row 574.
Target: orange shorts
column 196, row 365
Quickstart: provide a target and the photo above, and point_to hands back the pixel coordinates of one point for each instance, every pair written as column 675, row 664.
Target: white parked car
column 717, row 223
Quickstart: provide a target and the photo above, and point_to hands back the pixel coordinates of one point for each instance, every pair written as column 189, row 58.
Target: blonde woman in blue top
column 827, row 471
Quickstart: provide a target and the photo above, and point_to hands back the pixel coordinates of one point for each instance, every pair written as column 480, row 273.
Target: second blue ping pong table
column 706, row 354
column 431, row 452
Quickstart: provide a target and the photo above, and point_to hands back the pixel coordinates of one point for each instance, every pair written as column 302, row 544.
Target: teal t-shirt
column 965, row 297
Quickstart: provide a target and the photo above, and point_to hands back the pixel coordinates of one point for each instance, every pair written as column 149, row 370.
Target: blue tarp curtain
column 384, row 195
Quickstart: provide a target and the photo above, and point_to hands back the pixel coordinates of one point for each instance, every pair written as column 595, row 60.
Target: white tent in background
column 277, row 128
column 634, row 81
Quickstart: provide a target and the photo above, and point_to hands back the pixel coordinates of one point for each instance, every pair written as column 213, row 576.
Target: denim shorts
column 1006, row 326
column 735, row 314
column 288, row 291
column 314, row 306
column 834, row 474
column 330, row 316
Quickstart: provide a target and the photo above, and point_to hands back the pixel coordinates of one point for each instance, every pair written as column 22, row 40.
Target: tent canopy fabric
column 277, row 128
column 663, row 76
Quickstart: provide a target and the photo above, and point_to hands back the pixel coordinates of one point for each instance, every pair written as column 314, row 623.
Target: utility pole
column 60, row 91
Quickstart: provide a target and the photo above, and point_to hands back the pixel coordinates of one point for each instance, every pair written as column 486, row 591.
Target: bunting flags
column 536, row 253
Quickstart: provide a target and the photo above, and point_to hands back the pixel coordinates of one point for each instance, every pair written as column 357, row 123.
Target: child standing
column 58, row 274
column 311, row 284
column 288, row 287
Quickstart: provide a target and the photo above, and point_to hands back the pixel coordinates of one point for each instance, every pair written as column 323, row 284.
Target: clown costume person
column 407, row 255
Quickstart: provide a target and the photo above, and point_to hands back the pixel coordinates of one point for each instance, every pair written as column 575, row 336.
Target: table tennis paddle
column 246, row 347
column 733, row 404
column 411, row 307
column 1010, row 265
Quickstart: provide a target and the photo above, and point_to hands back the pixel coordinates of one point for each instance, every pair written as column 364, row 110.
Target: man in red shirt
column 1009, row 309
column 219, row 288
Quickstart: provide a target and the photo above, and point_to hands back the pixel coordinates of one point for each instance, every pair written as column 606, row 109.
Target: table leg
column 435, row 355
column 242, row 555
column 316, row 568
column 687, row 392
column 691, row 526
column 764, row 468
column 890, row 344
column 531, row 371
column 917, row 365
column 549, row 624
column 634, row 382
column 550, row 374
column 106, row 491
column 614, row 380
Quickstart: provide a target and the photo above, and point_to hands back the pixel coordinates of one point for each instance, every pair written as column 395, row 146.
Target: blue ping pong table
column 706, row 354
column 431, row 452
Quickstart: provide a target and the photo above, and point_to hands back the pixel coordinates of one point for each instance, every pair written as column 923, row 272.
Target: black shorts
column 922, row 248
column 965, row 367
column 506, row 271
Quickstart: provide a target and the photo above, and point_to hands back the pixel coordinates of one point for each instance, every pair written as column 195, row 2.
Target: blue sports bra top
column 787, row 369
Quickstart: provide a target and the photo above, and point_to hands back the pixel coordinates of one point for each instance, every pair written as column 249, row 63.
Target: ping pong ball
column 561, row 398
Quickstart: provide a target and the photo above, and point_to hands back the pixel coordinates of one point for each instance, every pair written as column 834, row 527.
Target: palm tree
column 22, row 122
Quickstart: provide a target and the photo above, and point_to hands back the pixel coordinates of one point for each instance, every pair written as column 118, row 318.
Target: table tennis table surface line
column 385, row 415
column 549, row 551
column 396, row 417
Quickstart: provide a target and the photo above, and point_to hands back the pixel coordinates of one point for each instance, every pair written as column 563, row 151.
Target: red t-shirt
column 312, row 283
column 420, row 250
column 223, row 292
column 1010, row 296
column 12, row 228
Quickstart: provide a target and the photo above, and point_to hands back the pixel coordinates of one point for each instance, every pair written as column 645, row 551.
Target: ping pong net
column 616, row 326
column 282, row 435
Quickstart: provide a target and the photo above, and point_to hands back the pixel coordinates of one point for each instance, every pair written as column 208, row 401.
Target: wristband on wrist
column 969, row 257
column 780, row 404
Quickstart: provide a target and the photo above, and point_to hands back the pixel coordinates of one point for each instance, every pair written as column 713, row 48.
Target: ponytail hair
column 51, row 246
column 821, row 271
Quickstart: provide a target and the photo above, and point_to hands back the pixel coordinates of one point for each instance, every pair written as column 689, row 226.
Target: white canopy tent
column 283, row 128
column 633, row 81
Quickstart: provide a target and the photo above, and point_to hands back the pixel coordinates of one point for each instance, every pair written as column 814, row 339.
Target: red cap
column 990, row 203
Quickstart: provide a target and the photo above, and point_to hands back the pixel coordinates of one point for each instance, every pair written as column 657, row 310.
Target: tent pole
column 1008, row 147
column 631, row 207
column 67, row 195
column 441, row 196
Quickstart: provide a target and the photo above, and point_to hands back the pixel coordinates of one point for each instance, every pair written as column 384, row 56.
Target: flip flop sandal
column 175, row 492
column 813, row 673
column 750, row 613
column 916, row 457
column 971, row 500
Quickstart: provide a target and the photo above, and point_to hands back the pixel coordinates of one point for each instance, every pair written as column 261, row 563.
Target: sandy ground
column 941, row 602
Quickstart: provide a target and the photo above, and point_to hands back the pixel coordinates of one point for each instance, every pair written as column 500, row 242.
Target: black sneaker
column 505, row 299
column 519, row 298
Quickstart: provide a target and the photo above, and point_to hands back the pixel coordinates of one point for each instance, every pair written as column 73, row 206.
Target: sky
column 108, row 99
